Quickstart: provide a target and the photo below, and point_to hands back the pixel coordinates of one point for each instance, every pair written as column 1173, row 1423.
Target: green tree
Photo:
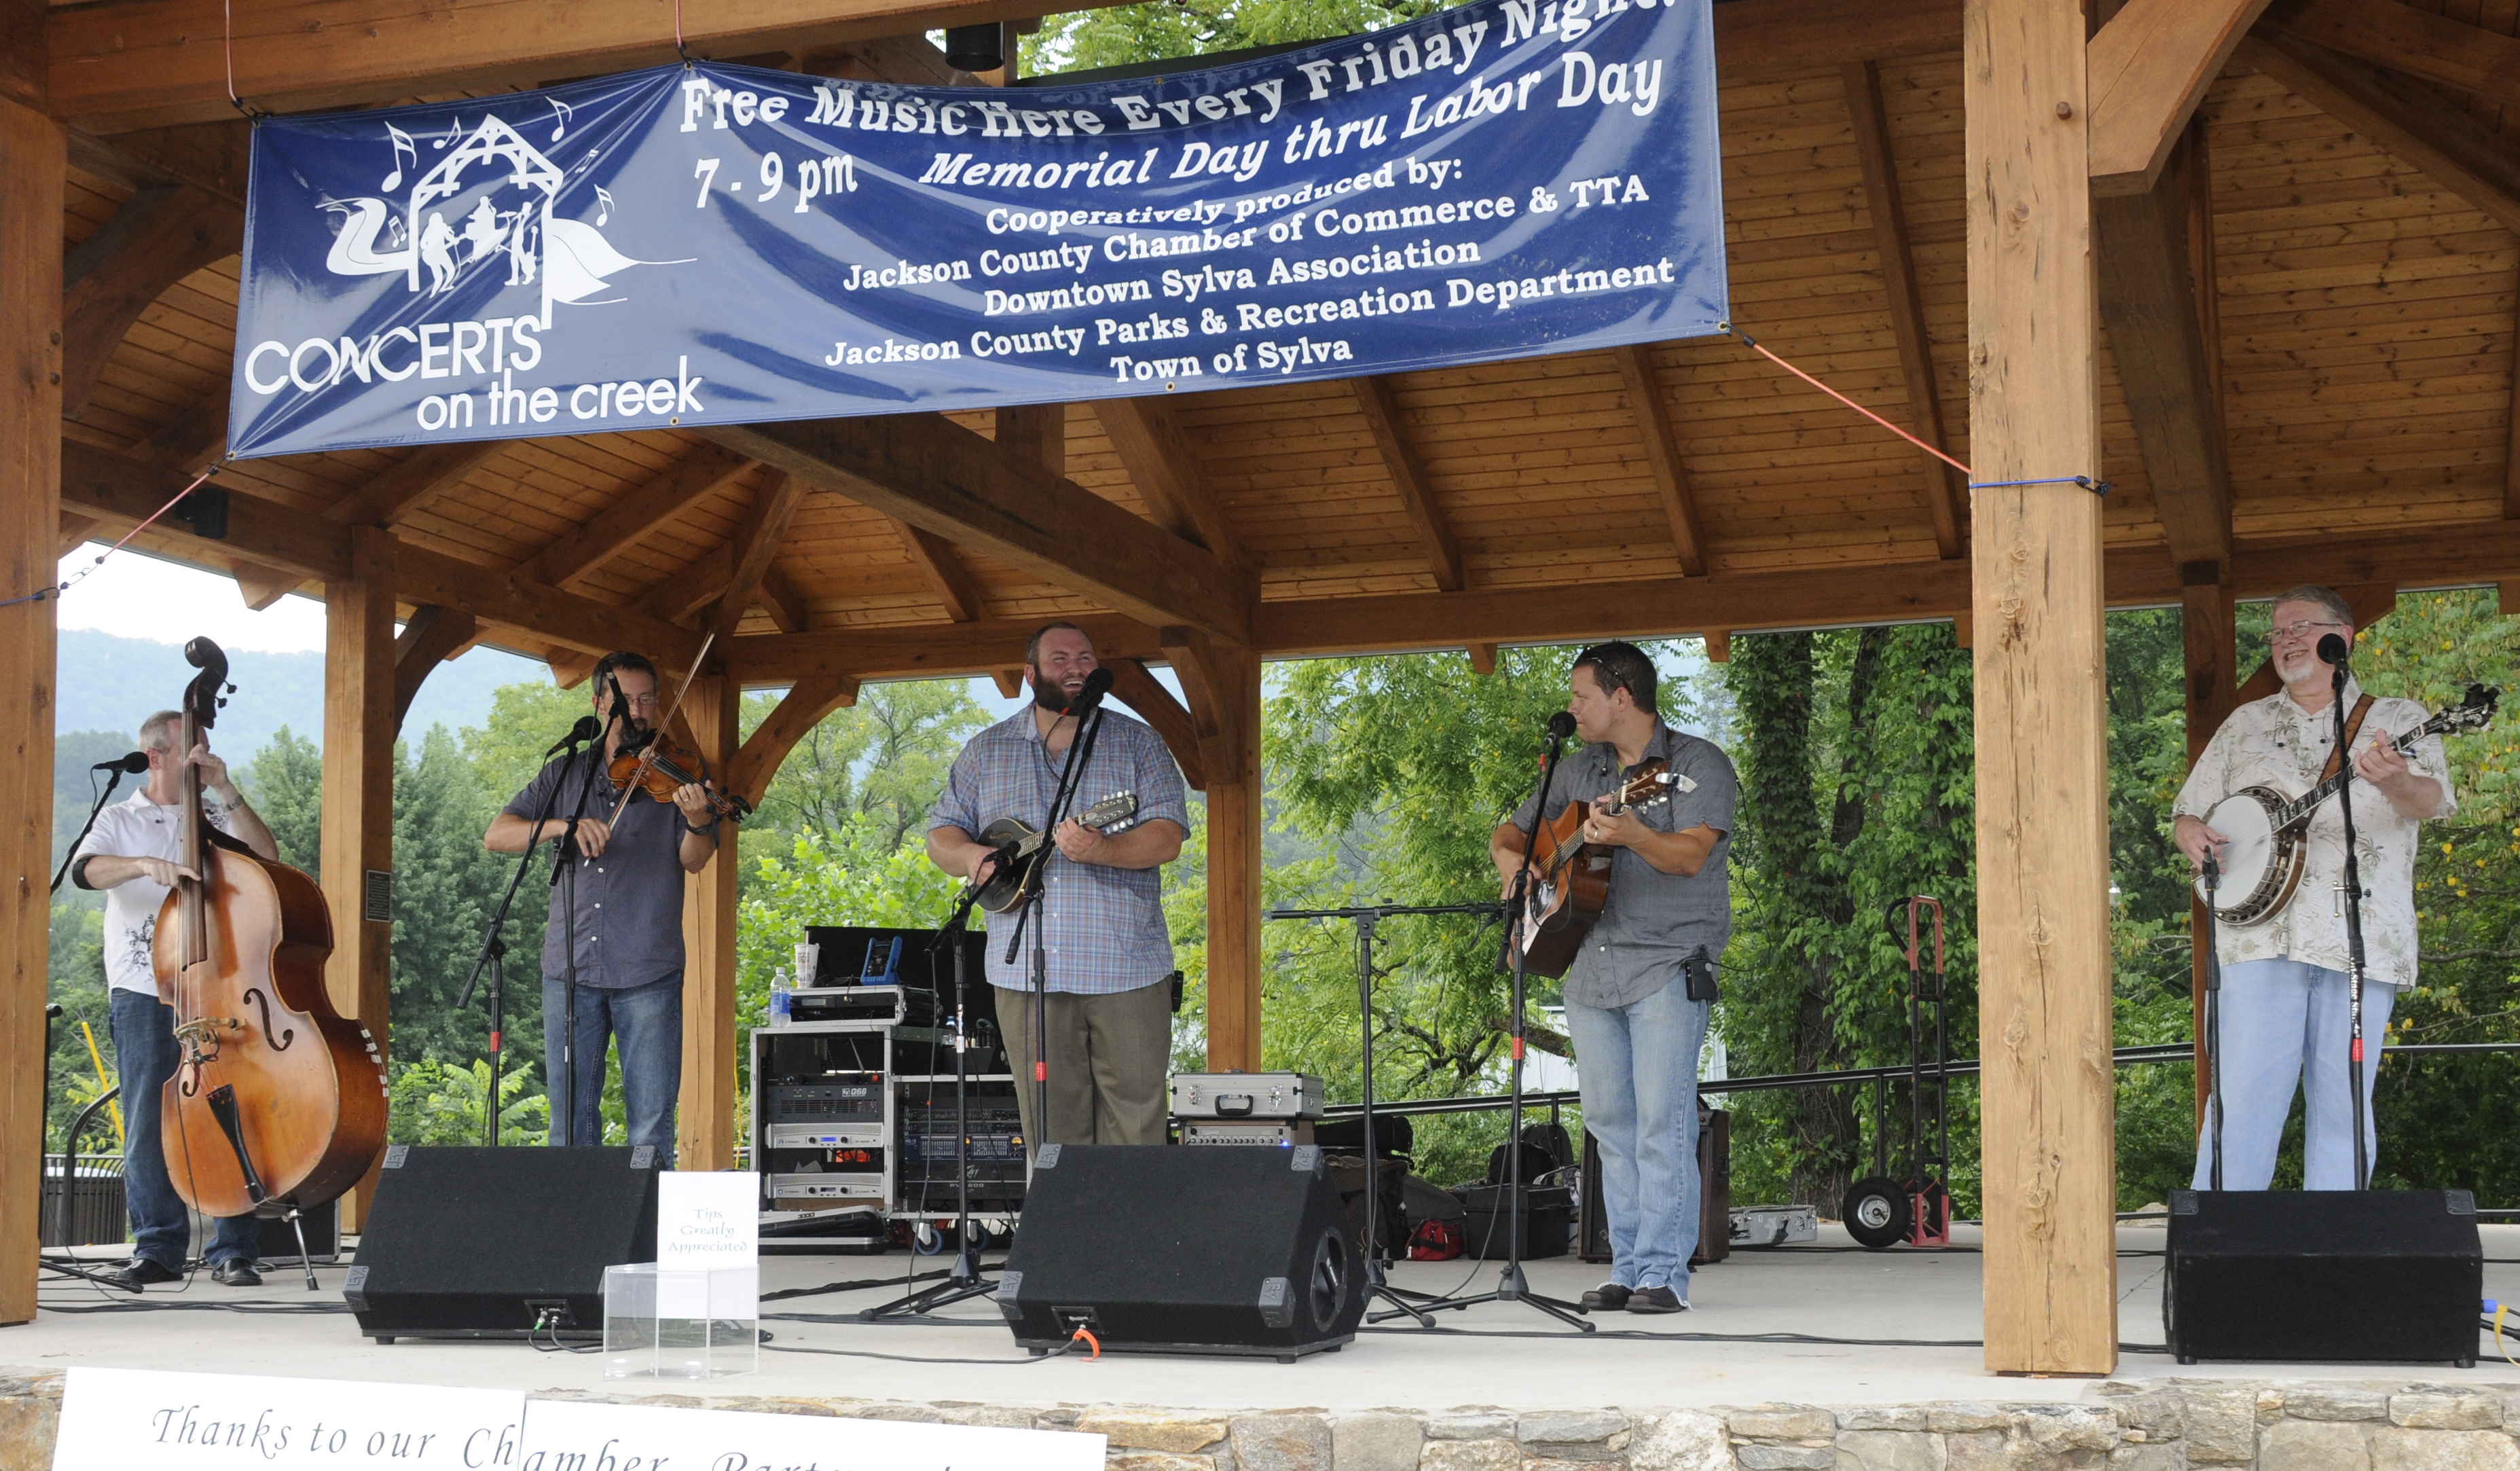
column 1164, row 29
column 446, row 887
column 284, row 782
column 883, row 760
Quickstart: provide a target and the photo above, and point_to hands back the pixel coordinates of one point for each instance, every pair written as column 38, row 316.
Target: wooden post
column 704, row 1126
column 33, row 158
column 2051, row 1178
column 2213, row 691
column 358, row 796
column 1234, row 864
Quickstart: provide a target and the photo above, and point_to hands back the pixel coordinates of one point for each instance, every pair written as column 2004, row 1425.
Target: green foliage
column 76, row 981
column 869, row 773
column 284, row 782
column 1164, row 29
column 446, row 887
column 444, row 1104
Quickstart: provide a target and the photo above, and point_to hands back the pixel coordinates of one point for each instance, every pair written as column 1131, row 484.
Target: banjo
column 2268, row 832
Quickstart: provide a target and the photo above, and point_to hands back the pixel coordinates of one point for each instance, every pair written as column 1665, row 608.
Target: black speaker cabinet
column 1714, row 1195
column 277, row 1241
column 1184, row 1251
column 499, row 1243
column 2364, row 1277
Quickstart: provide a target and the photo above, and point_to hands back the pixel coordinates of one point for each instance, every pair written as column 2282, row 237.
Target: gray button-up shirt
column 1654, row 920
column 630, row 901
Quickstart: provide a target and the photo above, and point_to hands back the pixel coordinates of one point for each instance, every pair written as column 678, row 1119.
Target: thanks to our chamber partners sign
column 575, row 1436
column 116, row 1419
column 706, row 244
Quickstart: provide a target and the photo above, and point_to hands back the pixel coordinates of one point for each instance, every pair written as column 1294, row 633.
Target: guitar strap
column 2353, row 732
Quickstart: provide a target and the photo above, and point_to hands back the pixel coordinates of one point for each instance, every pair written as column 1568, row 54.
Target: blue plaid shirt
column 1103, row 927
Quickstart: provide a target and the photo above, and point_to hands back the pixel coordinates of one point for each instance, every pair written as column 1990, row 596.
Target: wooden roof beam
column 412, row 482
column 754, row 544
column 2405, row 117
column 1147, row 433
column 2403, row 39
column 1945, row 498
column 2155, row 302
column 1381, row 410
column 992, row 646
column 213, row 158
column 158, row 238
column 196, row 439
column 629, row 520
column 1208, row 692
column 806, row 704
column 1662, row 454
column 778, row 597
column 2148, row 68
column 429, row 637
column 947, row 577
column 1135, row 686
column 930, row 471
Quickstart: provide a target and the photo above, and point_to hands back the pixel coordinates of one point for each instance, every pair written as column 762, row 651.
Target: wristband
column 709, row 832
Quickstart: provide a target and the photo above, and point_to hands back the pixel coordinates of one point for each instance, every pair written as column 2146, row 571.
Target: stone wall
column 2240, row 1425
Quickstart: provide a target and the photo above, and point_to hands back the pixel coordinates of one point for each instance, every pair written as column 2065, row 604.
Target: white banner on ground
column 709, row 1221
column 114, row 1419
column 566, row 1435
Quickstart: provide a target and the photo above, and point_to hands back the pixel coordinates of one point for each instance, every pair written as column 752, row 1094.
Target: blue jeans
column 1637, row 1066
column 649, row 1021
column 2286, row 1026
column 145, row 1056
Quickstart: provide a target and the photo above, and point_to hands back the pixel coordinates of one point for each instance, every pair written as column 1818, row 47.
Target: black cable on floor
column 1062, row 1351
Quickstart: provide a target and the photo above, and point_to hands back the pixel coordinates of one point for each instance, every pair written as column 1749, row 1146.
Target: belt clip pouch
column 1697, row 974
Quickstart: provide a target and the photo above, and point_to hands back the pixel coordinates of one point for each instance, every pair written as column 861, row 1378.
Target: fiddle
column 662, row 768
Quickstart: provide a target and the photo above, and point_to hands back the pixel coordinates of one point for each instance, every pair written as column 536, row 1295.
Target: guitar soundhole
column 279, row 1044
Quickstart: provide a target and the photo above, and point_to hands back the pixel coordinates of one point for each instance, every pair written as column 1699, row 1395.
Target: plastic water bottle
column 779, row 993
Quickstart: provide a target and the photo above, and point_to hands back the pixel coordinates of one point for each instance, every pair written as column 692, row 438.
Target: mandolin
column 1571, row 880
column 1014, row 879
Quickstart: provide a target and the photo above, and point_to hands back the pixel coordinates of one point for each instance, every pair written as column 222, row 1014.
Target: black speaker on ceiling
column 1162, row 1250
column 2364, row 1276
column 471, row 1243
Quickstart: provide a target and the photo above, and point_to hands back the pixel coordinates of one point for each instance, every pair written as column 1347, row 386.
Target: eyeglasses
column 2300, row 629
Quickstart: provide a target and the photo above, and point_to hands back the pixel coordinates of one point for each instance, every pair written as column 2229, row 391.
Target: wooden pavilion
column 2252, row 263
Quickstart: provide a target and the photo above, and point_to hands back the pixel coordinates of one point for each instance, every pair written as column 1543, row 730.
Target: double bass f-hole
column 279, row 1042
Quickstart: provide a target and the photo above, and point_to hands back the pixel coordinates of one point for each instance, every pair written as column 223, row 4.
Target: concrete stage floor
column 1830, row 1290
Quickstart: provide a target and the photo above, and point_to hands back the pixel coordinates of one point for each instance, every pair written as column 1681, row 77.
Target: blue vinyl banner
column 719, row 244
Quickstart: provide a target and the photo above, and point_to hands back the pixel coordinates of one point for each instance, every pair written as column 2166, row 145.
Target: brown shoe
column 1656, row 1300
column 1609, row 1297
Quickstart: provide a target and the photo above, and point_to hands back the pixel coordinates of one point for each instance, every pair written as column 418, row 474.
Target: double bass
column 278, row 1102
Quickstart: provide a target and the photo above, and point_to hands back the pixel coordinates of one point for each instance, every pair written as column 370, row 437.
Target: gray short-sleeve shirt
column 1654, row 920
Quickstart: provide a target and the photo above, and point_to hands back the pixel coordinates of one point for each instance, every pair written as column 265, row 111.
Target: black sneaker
column 139, row 1272
column 236, row 1272
column 1656, row 1300
column 1609, row 1297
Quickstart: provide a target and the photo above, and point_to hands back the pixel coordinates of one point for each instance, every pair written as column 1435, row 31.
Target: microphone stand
column 494, row 943
column 1510, row 1285
column 1089, row 725
column 964, row 1280
column 2213, row 1021
column 113, row 778
column 2352, row 925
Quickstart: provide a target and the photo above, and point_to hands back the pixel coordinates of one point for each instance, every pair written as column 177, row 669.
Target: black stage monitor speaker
column 1184, row 1251
column 2363, row 1276
column 500, row 1244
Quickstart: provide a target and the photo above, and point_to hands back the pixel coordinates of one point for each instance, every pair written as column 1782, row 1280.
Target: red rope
column 1850, row 403
column 59, row 588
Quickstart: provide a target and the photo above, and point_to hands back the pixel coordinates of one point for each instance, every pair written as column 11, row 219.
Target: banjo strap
column 2353, row 732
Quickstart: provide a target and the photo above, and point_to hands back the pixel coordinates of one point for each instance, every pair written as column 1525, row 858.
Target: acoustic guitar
column 1571, row 880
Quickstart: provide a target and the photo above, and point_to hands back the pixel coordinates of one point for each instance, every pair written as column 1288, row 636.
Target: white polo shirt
column 139, row 828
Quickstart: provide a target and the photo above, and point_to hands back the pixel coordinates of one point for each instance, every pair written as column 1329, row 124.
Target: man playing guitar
column 2286, row 979
column 1637, row 992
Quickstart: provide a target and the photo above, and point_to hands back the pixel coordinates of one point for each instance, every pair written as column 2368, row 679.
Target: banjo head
column 2248, row 859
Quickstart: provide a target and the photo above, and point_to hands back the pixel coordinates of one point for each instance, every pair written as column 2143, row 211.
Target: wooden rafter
column 1207, row 689
column 629, row 520
column 158, row 238
column 1133, row 686
column 112, row 68
column 2149, row 66
column 2166, row 341
column 1662, row 456
column 754, row 544
column 429, row 637
column 412, row 482
column 1145, row 432
column 194, row 439
column 1036, row 435
column 215, row 157
column 778, row 597
column 1946, row 499
column 1381, row 410
column 925, row 470
column 74, row 531
column 1483, row 658
column 260, row 587
column 2408, row 39
column 2407, row 117
column 947, row 577
column 807, row 703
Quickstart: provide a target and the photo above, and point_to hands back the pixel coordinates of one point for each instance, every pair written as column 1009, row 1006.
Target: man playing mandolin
column 1101, row 922
column 1637, row 992
column 2286, row 979
column 133, row 854
column 628, row 920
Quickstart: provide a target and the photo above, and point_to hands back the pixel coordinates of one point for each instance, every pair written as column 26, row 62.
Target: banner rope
column 59, row 588
column 227, row 36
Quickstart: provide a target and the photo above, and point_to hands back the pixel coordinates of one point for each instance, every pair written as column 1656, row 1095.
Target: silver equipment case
column 1246, row 1095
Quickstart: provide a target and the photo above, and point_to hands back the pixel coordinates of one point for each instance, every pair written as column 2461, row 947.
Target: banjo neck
column 2301, row 807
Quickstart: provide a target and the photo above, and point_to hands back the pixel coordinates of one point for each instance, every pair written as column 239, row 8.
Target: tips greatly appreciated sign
column 716, row 244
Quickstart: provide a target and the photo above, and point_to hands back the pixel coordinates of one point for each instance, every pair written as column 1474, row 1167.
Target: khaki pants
column 1109, row 1057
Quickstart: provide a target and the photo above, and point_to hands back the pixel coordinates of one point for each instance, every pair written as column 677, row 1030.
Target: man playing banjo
column 2286, row 978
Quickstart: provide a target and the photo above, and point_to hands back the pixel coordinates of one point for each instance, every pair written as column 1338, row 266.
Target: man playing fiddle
column 627, row 924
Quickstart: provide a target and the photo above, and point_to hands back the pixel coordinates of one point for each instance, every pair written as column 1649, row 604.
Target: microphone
column 2333, row 650
column 586, row 729
column 1560, row 726
column 134, row 764
column 1097, row 685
